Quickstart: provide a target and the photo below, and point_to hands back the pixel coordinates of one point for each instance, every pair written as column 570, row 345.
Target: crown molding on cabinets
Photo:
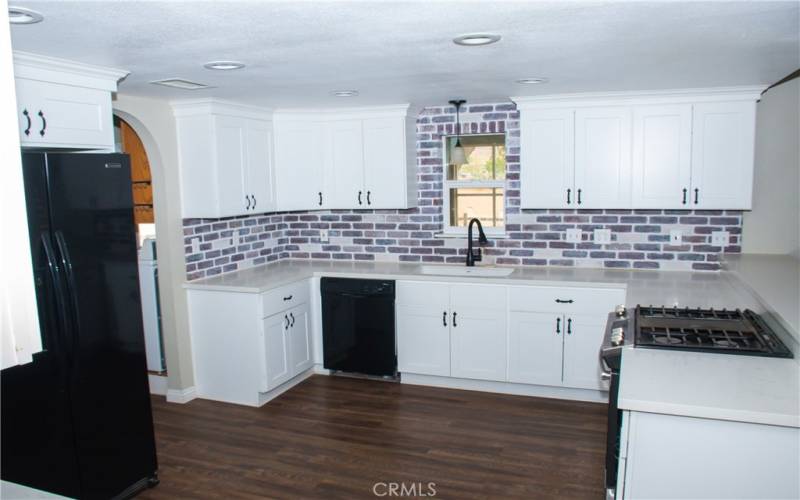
column 674, row 96
column 348, row 113
column 212, row 106
column 51, row 69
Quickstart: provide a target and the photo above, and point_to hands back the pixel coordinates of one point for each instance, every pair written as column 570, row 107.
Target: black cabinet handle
column 569, row 301
column 320, row 198
column 579, row 197
column 247, row 197
column 27, row 116
column 359, row 198
column 684, row 196
column 696, row 195
column 444, row 318
column 369, row 202
column 288, row 298
column 454, row 319
column 292, row 316
column 569, row 193
column 558, row 325
column 254, row 201
column 569, row 326
column 44, row 123
column 287, row 321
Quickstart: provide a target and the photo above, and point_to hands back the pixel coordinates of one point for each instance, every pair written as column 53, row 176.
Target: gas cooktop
column 706, row 330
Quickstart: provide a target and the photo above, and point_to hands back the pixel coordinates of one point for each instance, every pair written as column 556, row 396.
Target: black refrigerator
column 77, row 420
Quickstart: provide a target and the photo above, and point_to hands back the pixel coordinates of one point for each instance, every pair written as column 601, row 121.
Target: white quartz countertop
column 643, row 286
column 775, row 282
column 707, row 385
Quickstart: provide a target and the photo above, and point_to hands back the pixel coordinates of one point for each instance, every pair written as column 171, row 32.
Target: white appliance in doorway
column 151, row 309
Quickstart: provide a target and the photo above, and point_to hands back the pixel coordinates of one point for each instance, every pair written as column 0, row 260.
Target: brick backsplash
column 640, row 238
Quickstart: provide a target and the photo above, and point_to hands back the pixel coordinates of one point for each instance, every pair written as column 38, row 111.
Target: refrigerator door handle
column 54, row 272
column 71, row 288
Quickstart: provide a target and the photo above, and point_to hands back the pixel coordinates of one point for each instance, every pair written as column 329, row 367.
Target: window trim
column 449, row 230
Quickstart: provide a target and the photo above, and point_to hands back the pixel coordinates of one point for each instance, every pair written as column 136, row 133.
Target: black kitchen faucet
column 475, row 255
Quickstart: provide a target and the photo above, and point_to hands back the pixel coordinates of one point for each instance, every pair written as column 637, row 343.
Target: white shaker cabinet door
column 345, row 174
column 300, row 165
column 723, row 142
column 662, row 149
column 300, row 339
column 603, row 157
column 535, row 343
column 547, row 159
column 260, row 174
column 582, row 341
column 231, row 166
column 385, row 171
column 423, row 340
column 478, row 341
column 276, row 351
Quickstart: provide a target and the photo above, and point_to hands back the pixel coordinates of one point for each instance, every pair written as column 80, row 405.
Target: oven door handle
column 605, row 375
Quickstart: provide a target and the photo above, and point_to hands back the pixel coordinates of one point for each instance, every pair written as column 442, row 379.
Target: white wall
column 774, row 224
column 152, row 119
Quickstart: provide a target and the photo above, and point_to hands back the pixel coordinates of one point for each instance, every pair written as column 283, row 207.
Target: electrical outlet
column 323, row 236
column 196, row 245
column 675, row 237
column 602, row 236
column 720, row 238
column 574, row 235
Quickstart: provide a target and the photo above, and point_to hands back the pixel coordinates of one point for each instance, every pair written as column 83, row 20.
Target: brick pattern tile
column 640, row 238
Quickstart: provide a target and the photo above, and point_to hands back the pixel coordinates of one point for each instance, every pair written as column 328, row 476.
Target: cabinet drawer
column 417, row 293
column 479, row 297
column 284, row 298
column 583, row 300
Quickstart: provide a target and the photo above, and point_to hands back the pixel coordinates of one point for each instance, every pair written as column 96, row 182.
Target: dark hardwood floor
column 333, row 437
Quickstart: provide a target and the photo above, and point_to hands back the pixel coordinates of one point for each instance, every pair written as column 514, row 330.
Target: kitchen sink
column 485, row 271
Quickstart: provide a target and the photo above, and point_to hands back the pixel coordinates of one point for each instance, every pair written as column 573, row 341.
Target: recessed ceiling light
column 180, row 83
column 531, row 81
column 344, row 93
column 475, row 39
column 224, row 65
column 21, row 15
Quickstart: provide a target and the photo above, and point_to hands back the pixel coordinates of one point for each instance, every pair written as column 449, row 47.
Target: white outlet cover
column 676, row 237
column 196, row 245
column 720, row 238
column 574, row 235
column 323, row 236
column 602, row 236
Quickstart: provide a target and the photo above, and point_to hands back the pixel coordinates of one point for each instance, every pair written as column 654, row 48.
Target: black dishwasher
column 358, row 334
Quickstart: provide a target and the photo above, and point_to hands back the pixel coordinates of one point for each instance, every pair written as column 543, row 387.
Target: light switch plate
column 574, row 235
column 323, row 236
column 675, row 237
column 602, row 236
column 720, row 238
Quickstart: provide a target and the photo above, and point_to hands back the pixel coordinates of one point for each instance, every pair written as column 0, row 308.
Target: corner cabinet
column 250, row 347
column 63, row 104
column 671, row 150
column 356, row 158
column 225, row 153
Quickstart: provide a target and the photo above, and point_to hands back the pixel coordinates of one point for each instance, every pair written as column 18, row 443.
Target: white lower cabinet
column 300, row 346
column 276, row 366
column 534, row 336
column 478, row 343
column 423, row 340
column 584, row 335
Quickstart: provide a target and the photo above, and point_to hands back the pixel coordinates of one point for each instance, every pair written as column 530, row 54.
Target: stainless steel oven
column 610, row 357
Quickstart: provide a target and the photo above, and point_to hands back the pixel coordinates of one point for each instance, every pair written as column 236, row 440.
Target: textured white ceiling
column 395, row 52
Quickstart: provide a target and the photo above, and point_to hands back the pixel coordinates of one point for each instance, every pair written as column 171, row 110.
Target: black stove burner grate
column 706, row 330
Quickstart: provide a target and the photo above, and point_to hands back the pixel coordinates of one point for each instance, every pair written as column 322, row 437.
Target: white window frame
column 449, row 230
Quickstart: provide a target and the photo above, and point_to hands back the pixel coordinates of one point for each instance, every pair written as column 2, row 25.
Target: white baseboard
column 266, row 397
column 181, row 396
column 158, row 384
column 506, row 388
column 319, row 369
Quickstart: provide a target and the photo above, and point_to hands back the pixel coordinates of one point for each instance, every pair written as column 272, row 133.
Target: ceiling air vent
column 179, row 83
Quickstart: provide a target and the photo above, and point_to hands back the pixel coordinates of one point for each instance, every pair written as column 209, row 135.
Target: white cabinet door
column 64, row 115
column 423, row 340
column 662, row 149
column 547, row 159
column 299, row 165
column 723, row 142
column 300, row 339
column 535, row 344
column 260, row 175
column 584, row 335
column 231, row 166
column 603, row 157
column 478, row 344
column 385, row 162
column 276, row 351
column 345, row 170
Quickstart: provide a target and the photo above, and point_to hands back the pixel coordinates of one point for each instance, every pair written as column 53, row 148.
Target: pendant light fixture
column 457, row 155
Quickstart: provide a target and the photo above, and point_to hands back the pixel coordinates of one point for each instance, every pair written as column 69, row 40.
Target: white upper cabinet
column 225, row 157
column 662, row 149
column 548, row 145
column 602, row 157
column 356, row 158
column 675, row 149
column 722, row 155
column 61, row 104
